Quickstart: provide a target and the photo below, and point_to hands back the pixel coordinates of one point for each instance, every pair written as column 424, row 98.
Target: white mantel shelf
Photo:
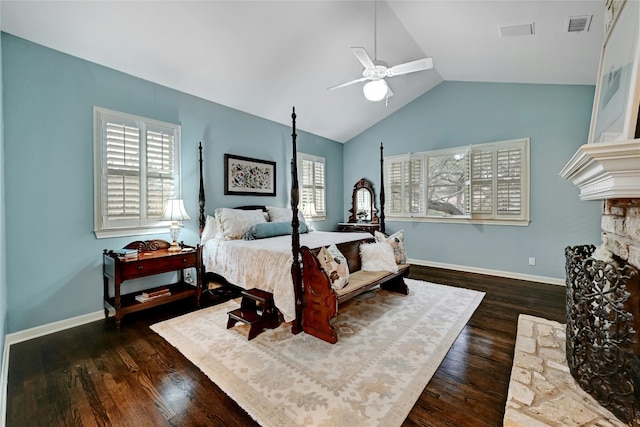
column 606, row 170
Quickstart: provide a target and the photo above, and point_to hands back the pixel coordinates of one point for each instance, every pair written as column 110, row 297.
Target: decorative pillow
column 271, row 229
column 210, row 229
column 282, row 214
column 377, row 257
column 234, row 223
column 335, row 265
column 396, row 240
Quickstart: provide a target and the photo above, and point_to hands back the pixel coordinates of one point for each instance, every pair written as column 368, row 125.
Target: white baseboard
column 4, row 376
column 50, row 328
column 499, row 273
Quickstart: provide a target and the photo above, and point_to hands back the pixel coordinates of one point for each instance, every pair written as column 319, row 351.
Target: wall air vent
column 576, row 24
column 517, row 30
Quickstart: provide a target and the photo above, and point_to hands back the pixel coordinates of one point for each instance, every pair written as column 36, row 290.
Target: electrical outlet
column 187, row 276
column 532, row 261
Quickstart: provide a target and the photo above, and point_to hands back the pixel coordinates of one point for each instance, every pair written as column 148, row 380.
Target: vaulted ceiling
column 263, row 57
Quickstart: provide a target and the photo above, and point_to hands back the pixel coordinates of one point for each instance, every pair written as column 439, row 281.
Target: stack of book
column 126, row 253
column 149, row 296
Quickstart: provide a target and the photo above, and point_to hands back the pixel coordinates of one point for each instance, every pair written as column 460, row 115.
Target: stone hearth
column 542, row 392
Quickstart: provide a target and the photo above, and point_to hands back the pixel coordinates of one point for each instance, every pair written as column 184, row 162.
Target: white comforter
column 266, row 263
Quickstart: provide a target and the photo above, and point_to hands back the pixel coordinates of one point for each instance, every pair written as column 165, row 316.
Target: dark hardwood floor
column 95, row 375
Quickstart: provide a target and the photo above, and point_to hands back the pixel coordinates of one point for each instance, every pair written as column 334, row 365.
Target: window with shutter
column 136, row 170
column 485, row 183
column 312, row 186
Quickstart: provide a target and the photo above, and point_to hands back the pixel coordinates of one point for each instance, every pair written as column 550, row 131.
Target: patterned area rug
column 388, row 348
column 542, row 392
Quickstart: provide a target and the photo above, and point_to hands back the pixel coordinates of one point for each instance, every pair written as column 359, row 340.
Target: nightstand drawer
column 141, row 267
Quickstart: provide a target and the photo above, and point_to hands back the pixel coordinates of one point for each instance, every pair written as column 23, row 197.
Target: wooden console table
column 153, row 258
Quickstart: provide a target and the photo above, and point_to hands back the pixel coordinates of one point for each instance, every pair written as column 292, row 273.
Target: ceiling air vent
column 576, row 24
column 517, row 30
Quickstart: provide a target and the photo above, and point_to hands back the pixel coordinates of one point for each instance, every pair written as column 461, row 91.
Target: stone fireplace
column 603, row 285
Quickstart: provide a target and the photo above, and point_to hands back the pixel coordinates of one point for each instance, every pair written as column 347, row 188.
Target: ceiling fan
column 375, row 71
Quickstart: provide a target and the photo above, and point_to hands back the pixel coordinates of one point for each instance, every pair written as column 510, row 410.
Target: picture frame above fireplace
column 617, row 95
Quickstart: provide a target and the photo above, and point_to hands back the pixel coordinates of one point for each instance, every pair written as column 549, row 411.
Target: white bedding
column 266, row 263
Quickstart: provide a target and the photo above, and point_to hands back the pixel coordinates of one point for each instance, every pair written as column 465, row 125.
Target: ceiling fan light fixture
column 375, row 90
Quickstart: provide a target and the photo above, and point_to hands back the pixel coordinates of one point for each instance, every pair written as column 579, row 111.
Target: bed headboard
column 252, row 208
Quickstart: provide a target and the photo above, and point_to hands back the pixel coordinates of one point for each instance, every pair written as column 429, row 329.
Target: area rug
column 542, row 392
column 388, row 348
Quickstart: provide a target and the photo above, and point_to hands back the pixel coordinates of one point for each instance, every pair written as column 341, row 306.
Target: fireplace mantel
column 606, row 170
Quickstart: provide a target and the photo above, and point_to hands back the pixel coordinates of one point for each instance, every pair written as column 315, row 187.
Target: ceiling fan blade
column 361, row 79
column 363, row 57
column 410, row 67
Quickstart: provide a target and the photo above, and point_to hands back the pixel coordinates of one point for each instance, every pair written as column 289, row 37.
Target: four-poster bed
column 272, row 264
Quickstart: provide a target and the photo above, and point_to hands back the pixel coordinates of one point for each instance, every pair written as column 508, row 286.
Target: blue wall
column 54, row 267
column 555, row 117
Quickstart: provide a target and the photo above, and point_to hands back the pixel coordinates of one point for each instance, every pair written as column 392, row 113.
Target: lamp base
column 174, row 231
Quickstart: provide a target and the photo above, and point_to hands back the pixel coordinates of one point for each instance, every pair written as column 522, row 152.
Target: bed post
column 296, row 272
column 201, row 192
column 381, row 189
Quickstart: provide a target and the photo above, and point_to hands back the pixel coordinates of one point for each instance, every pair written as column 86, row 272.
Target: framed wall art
column 617, row 95
column 245, row 176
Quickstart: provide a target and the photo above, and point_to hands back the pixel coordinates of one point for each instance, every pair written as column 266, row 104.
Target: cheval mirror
column 363, row 208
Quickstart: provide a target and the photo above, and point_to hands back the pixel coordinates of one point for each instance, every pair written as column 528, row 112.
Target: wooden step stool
column 256, row 310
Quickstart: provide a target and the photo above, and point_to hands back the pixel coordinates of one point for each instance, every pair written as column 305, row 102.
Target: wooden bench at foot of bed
column 321, row 301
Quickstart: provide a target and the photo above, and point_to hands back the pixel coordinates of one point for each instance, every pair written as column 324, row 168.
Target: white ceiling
column 263, row 57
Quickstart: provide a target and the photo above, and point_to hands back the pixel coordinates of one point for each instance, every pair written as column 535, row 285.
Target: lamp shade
column 309, row 210
column 174, row 211
column 375, row 90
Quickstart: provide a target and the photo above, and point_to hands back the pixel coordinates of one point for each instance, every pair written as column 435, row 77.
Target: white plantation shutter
column 414, row 185
column 319, row 187
column 123, row 170
column 404, row 189
column 311, row 171
column 160, row 171
column 136, row 171
column 499, row 180
column 482, row 182
column 394, row 190
column 509, row 181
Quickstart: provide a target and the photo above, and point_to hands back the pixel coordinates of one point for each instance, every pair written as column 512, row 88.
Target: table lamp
column 308, row 212
column 174, row 211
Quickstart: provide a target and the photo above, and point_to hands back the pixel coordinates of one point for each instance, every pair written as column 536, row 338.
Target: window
column 478, row 183
column 136, row 170
column 312, row 195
